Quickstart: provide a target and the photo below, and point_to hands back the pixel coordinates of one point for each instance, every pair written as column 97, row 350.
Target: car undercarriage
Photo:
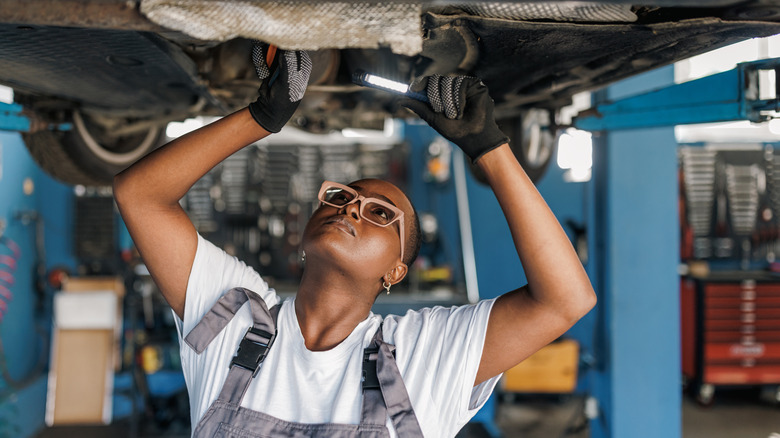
column 118, row 77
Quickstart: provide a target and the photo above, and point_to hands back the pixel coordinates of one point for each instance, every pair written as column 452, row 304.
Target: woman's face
column 341, row 235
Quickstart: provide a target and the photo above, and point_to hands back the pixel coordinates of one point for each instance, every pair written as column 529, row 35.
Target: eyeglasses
column 375, row 211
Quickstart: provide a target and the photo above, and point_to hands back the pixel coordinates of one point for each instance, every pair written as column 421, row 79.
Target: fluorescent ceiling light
column 177, row 129
column 575, row 150
column 6, row 94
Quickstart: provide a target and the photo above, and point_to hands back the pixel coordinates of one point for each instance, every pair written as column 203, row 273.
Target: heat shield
column 295, row 25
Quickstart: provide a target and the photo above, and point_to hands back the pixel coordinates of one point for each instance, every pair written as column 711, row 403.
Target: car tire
column 531, row 140
column 81, row 157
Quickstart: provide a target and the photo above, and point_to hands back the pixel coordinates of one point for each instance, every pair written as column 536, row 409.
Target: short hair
column 413, row 240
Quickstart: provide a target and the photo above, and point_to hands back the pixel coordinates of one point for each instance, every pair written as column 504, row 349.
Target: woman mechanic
column 429, row 370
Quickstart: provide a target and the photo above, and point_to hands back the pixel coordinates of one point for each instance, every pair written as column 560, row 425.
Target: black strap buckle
column 252, row 351
column 370, row 379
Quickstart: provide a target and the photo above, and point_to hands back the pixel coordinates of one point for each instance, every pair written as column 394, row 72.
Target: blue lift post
column 635, row 230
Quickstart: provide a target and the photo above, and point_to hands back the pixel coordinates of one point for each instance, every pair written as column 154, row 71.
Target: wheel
column 771, row 394
column 706, row 394
column 776, row 399
column 531, row 140
column 89, row 154
column 777, row 395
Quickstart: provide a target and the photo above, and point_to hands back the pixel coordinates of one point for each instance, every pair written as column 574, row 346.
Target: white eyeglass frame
column 399, row 214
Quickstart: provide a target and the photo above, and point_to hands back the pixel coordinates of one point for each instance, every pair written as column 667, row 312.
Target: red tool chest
column 730, row 333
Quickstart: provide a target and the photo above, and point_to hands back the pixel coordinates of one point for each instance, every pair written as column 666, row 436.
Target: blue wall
column 432, row 197
column 22, row 410
column 493, row 245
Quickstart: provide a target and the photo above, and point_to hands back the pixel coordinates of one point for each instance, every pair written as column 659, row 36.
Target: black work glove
column 279, row 96
column 461, row 110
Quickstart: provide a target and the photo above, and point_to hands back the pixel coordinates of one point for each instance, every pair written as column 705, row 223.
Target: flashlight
column 373, row 81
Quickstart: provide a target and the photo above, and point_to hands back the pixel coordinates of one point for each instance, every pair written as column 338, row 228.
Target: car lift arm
column 728, row 96
column 14, row 118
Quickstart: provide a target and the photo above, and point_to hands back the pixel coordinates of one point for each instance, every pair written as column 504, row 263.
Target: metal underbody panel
column 525, row 63
column 110, row 69
column 550, row 62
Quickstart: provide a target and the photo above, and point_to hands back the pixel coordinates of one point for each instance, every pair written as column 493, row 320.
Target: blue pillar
column 635, row 246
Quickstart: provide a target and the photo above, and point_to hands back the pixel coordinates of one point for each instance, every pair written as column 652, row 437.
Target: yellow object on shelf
column 438, row 273
column 553, row 369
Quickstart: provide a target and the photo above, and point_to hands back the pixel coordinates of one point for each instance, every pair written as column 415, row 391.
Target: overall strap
column 384, row 392
column 253, row 347
column 223, row 311
column 373, row 410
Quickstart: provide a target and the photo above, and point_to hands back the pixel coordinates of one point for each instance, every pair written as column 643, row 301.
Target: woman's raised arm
column 559, row 292
column 148, row 192
column 148, row 195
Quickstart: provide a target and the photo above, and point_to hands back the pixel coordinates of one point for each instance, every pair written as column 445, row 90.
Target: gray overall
column 384, row 392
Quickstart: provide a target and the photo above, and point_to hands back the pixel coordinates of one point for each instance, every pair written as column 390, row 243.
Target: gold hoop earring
column 386, row 285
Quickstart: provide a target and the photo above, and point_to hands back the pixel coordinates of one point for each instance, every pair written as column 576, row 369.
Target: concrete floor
column 736, row 413
column 546, row 417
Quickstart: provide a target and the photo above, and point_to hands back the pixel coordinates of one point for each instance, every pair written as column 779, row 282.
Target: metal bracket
column 12, row 118
column 728, row 96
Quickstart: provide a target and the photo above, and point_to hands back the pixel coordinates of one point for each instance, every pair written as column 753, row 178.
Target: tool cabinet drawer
column 745, row 312
column 739, row 301
column 730, row 290
column 768, row 288
column 759, row 351
column 731, row 336
column 746, row 375
column 746, row 324
column 743, row 291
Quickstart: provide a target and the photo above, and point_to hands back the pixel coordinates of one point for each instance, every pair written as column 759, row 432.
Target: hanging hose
column 8, row 265
column 6, row 281
column 8, row 261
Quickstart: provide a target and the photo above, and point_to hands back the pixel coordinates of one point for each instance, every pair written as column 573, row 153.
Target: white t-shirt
column 437, row 351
